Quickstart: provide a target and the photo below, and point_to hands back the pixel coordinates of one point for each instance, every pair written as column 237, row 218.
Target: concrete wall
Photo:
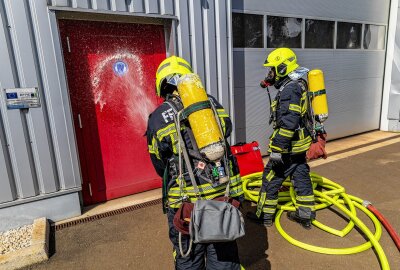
column 353, row 77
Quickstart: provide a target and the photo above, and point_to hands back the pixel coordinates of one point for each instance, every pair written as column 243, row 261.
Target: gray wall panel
column 183, row 31
column 223, row 50
column 363, row 10
column 83, row 3
column 62, row 146
column 210, row 53
column 14, row 122
column 196, row 37
column 103, row 4
column 167, row 7
column 137, row 6
column 7, row 190
column 394, row 96
column 120, row 5
column 63, row 131
column 36, row 117
column 151, row 6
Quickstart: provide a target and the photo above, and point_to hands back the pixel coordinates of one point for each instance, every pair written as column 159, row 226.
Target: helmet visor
column 173, row 79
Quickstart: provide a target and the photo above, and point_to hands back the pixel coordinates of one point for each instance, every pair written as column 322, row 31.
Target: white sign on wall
column 22, row 98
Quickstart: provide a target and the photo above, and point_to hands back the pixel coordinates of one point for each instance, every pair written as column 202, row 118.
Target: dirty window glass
column 283, row 32
column 319, row 34
column 348, row 35
column 374, row 37
column 247, row 30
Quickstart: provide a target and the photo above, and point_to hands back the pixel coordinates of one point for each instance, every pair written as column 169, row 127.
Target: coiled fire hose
column 328, row 193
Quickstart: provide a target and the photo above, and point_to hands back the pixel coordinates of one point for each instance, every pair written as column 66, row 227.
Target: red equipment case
column 249, row 157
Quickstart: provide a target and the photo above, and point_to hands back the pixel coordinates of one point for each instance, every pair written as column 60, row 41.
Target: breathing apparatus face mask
column 169, row 84
column 270, row 77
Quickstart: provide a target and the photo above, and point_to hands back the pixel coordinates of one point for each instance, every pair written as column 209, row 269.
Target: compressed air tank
column 203, row 122
column 319, row 101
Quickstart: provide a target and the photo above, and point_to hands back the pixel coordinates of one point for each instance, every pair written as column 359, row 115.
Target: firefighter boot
column 266, row 220
column 306, row 223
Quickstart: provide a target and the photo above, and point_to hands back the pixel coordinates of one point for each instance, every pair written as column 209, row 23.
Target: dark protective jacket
column 163, row 148
column 288, row 113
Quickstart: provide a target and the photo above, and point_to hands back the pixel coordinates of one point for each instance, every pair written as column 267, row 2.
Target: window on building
column 319, row 34
column 348, row 35
column 283, row 32
column 247, row 30
column 374, row 37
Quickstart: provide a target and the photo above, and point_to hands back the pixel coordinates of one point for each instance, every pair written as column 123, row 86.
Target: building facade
column 43, row 171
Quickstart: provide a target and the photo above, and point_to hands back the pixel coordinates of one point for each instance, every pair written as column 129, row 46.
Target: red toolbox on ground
column 249, row 157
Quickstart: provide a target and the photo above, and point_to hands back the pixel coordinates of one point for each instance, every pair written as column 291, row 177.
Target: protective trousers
column 212, row 256
column 297, row 168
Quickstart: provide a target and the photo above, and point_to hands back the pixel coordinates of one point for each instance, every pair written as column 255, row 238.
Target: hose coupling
column 366, row 203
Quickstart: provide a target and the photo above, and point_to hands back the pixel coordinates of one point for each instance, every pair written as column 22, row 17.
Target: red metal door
column 111, row 75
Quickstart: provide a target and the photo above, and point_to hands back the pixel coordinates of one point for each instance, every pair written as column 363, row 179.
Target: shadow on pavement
column 253, row 246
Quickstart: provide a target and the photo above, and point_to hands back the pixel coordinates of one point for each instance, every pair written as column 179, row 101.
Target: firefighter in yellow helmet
column 163, row 143
column 289, row 141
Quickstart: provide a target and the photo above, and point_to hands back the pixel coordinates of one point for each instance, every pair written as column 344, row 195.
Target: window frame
column 303, row 33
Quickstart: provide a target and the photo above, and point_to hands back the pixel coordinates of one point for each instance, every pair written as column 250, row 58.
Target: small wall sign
column 22, row 98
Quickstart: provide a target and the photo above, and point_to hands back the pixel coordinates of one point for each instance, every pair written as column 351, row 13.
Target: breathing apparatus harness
column 307, row 120
column 203, row 168
column 184, row 155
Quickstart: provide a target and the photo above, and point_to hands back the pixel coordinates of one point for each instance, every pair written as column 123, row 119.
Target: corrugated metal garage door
column 353, row 70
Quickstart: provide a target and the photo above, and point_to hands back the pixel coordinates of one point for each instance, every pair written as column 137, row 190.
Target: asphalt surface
column 139, row 239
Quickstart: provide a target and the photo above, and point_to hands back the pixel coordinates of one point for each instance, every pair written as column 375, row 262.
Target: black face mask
column 270, row 77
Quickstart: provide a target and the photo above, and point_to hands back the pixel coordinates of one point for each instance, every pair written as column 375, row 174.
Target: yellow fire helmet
column 284, row 61
column 170, row 67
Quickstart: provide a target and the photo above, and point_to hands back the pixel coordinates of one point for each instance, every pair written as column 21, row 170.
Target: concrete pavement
column 138, row 239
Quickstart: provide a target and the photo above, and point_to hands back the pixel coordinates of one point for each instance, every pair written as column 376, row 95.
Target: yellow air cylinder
column 319, row 100
column 203, row 123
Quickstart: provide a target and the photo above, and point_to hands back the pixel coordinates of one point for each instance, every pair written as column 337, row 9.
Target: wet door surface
column 111, row 75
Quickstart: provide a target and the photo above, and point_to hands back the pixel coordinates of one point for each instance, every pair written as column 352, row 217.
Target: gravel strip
column 15, row 239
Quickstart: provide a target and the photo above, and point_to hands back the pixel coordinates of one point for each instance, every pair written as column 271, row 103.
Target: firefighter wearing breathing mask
column 289, row 141
column 163, row 145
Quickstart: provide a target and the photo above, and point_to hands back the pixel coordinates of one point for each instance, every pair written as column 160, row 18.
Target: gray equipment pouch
column 215, row 221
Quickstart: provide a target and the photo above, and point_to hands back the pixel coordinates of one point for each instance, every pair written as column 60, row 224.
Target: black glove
column 275, row 159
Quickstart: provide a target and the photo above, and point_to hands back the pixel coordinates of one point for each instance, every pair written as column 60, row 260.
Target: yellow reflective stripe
column 223, row 125
column 271, row 202
column 270, row 175
column 155, row 148
column 301, row 142
column 304, row 103
column 150, row 149
column 234, row 192
column 260, row 203
column 173, row 142
column 268, row 210
column 222, row 113
column 163, row 131
column 301, row 134
column 274, row 147
column 206, row 188
column 273, row 105
column 286, row 133
column 294, row 108
column 309, row 198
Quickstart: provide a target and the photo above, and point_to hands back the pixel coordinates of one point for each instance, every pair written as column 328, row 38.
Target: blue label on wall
column 12, row 95
column 120, row 68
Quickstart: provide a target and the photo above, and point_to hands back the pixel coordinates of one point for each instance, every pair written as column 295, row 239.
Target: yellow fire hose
column 327, row 193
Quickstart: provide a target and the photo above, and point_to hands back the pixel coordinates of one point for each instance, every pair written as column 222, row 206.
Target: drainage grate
column 106, row 214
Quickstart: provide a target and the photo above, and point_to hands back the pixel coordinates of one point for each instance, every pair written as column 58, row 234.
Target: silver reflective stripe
column 162, row 67
column 185, row 65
